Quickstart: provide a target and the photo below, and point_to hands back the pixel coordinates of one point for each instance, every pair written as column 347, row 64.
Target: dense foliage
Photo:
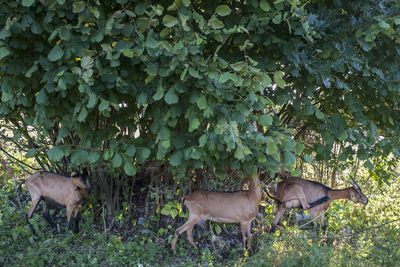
column 197, row 84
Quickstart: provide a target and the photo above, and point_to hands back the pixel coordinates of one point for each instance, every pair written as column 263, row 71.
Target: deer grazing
column 295, row 192
column 57, row 191
column 223, row 207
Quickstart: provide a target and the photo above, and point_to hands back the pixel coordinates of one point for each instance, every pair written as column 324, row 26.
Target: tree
column 199, row 85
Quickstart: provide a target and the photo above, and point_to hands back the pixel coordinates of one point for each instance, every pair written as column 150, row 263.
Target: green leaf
column 65, row 34
column 218, row 229
column 79, row 157
column 166, row 210
column 82, row 115
column 163, row 133
column 28, row 3
column 272, row 148
column 223, row 10
column 289, row 158
column 239, row 154
column 171, row 98
column 108, row 154
column 78, row 7
column 170, row 21
column 173, row 213
column 131, row 151
column 342, row 136
column 92, row 100
column 194, row 73
column 176, row 158
column 384, row 25
column 265, row 120
column 202, row 102
column 104, row 105
column 130, row 169
column 117, row 160
column 41, row 98
column 265, row 80
column 225, row 77
column 218, row 37
column 319, row 114
column 152, row 69
column 194, row 124
column 186, row 3
column 93, row 156
column 55, row 53
column 264, row 6
column 278, row 79
column 368, row 164
column 238, row 66
column 31, row 153
column 157, row 96
column 142, row 154
column 243, row 108
column 298, row 148
column 4, row 52
column 87, row 62
column 55, row 154
column 216, row 23
column 307, row 159
column 5, row 97
column 202, row 140
column 31, row 70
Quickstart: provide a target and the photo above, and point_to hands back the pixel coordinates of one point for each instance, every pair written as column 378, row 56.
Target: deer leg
column 189, row 234
column 279, row 213
column 35, row 202
column 188, row 226
column 243, row 227
column 77, row 219
column 69, row 215
column 47, row 216
column 313, row 216
column 249, row 237
column 323, row 224
column 303, row 200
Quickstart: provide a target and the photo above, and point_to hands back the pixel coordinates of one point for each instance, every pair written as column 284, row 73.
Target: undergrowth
column 356, row 236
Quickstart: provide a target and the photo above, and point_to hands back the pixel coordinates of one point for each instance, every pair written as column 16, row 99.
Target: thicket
column 158, row 98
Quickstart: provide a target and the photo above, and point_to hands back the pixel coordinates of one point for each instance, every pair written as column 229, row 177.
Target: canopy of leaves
column 199, row 83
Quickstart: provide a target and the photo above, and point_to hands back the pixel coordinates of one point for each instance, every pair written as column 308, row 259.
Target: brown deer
column 223, row 207
column 57, row 191
column 295, row 192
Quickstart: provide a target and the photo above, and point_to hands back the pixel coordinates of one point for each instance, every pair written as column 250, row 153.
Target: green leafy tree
column 199, row 84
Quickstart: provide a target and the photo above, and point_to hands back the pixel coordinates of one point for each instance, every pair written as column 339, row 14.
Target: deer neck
column 340, row 194
column 254, row 190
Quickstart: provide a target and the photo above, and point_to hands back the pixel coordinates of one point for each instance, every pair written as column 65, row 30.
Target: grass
column 359, row 236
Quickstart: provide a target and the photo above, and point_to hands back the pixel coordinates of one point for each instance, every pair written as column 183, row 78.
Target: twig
column 356, row 233
column 104, row 222
column 18, row 162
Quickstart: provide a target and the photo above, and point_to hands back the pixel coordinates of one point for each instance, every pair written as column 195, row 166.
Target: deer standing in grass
column 295, row 192
column 57, row 191
column 223, row 207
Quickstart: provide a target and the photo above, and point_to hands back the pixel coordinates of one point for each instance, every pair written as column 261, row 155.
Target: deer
column 295, row 192
column 57, row 191
column 222, row 207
